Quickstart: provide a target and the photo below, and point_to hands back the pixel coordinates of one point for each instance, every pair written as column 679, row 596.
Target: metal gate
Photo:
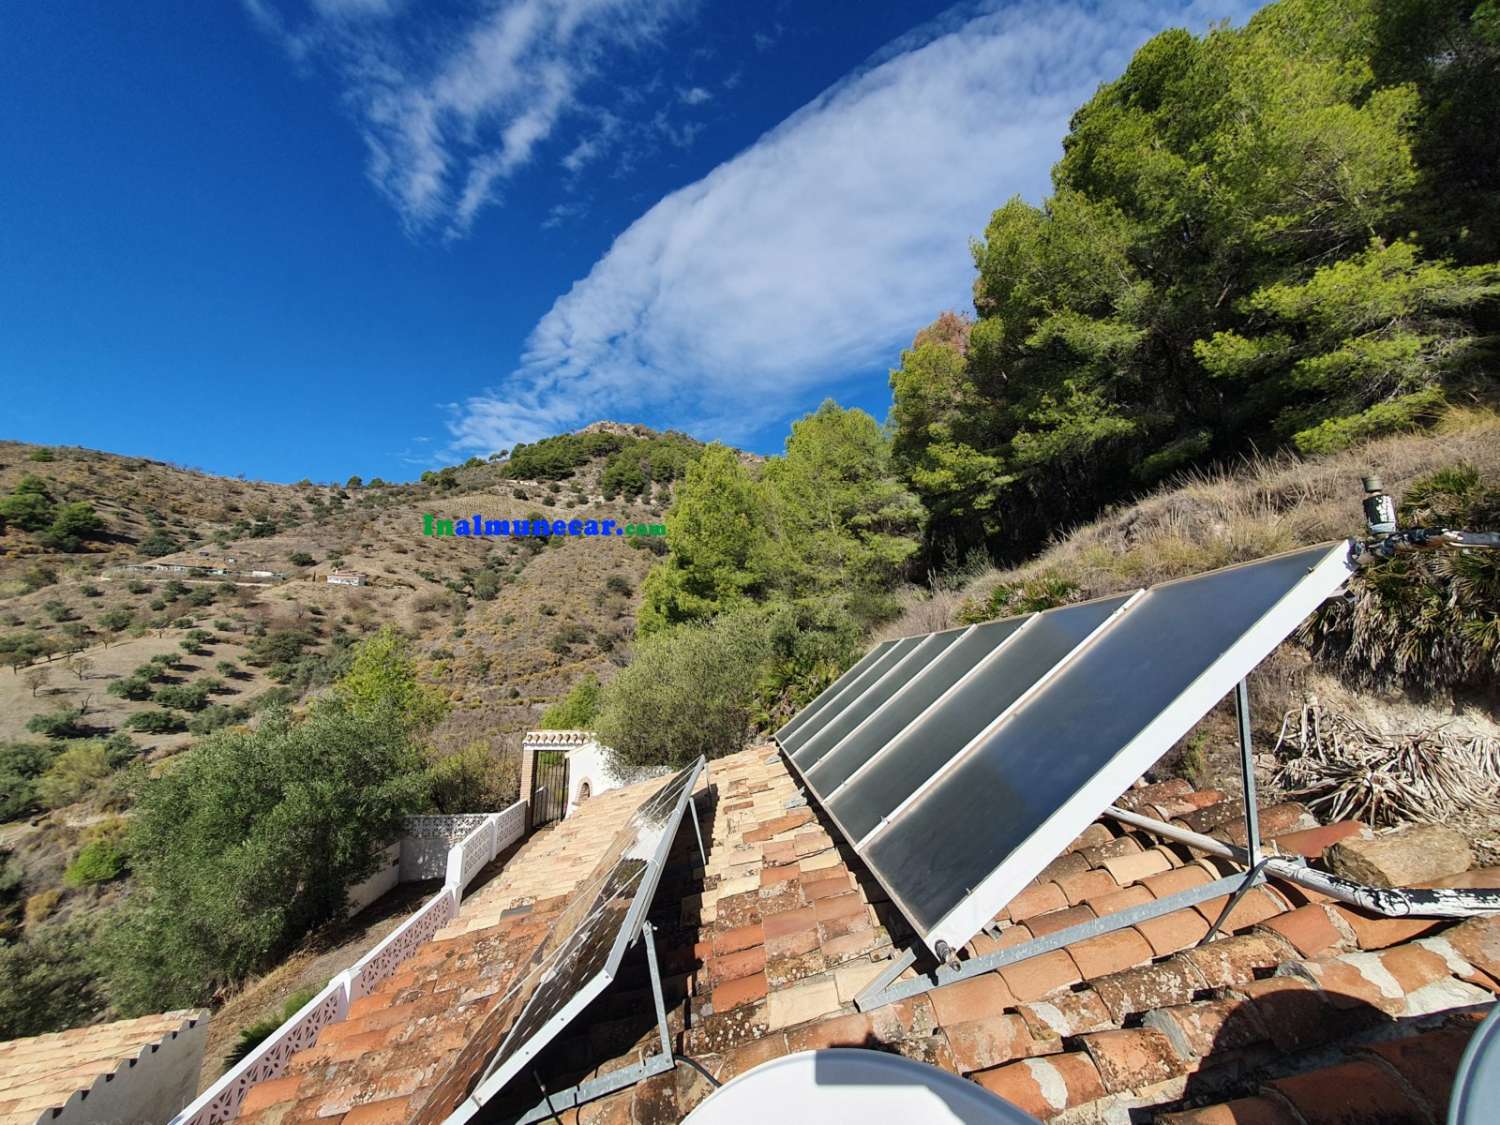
column 549, row 787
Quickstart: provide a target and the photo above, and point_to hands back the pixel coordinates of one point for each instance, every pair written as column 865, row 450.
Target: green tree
column 29, row 505
column 475, row 779
column 253, row 839
column 842, row 518
column 1227, row 260
column 716, row 530
column 576, row 710
column 689, row 691
column 49, row 981
column 21, row 763
column 71, row 525
column 382, row 682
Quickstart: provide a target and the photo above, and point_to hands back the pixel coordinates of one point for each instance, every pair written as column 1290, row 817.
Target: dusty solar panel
column 957, row 768
column 583, row 950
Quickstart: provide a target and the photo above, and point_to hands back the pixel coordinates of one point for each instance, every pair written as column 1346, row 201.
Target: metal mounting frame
column 658, row 1062
column 888, row 988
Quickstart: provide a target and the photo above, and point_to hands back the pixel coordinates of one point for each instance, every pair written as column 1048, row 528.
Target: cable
column 698, row 1066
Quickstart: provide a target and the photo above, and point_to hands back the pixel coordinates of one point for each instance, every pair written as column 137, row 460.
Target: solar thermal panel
column 958, row 783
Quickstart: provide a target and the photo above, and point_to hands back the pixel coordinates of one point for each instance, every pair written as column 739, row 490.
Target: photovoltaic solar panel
column 583, row 950
column 959, row 777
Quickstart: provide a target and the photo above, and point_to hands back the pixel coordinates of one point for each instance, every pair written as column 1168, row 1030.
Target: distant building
column 346, row 578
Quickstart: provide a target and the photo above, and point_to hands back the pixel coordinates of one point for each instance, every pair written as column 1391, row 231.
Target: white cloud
column 450, row 110
column 697, row 95
column 819, row 250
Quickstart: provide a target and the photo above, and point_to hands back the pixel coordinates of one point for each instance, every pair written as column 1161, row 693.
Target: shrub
column 306, row 803
column 73, row 774
column 1424, row 622
column 49, row 982
column 41, row 455
column 155, row 722
column 689, row 691
column 89, row 590
column 1035, row 594
column 99, row 861
column 253, row 1035
column 66, row 722
column 619, row 584
column 212, row 718
column 136, row 586
column 21, row 763
column 475, row 779
column 301, row 558
column 576, row 710
column 157, row 544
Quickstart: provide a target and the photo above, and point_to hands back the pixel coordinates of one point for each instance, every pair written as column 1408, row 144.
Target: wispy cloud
column 450, row 109
column 697, row 95
column 819, row 250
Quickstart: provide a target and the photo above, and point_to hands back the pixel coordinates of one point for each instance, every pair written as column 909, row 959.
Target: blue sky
column 310, row 238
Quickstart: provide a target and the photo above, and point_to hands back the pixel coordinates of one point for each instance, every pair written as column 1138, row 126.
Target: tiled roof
column 412, row 1049
column 1304, row 1012
column 40, row 1074
column 557, row 737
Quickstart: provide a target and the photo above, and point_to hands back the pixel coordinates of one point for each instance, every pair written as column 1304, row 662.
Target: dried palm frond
column 1343, row 768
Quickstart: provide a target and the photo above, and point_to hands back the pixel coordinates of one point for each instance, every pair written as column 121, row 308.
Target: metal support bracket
column 692, row 805
column 886, row 988
column 554, row 1105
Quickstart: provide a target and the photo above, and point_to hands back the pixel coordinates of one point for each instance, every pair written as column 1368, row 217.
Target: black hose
column 698, row 1066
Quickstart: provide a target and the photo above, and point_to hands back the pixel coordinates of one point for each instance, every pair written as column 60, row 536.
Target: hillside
column 502, row 626
column 1262, row 506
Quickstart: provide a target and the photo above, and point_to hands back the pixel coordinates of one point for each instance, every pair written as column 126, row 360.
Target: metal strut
column 553, row 1105
column 886, row 988
column 692, row 805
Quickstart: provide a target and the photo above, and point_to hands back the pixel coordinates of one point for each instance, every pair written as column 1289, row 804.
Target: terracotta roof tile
column 990, row 1040
column 1128, row 1059
column 1110, row 953
column 1240, row 1111
column 1351, row 1091
column 782, row 928
column 1035, row 977
column 43, row 1072
column 1045, row 1087
column 1205, row 1027
column 1170, row 933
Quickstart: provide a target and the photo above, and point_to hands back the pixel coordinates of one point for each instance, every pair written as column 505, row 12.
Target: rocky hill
column 504, row 624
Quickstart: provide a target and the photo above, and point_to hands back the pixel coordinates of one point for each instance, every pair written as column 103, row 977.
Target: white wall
column 586, row 763
column 386, row 876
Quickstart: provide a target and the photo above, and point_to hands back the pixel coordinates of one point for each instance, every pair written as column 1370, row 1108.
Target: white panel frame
column 833, row 690
column 891, row 675
column 838, row 702
column 959, row 925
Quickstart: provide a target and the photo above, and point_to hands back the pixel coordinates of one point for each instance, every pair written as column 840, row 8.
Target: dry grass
column 1211, row 519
